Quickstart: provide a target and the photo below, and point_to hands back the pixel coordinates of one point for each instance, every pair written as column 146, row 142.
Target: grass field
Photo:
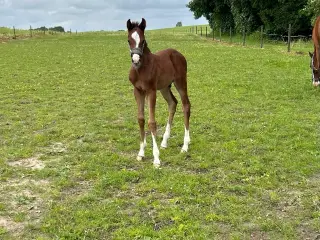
column 69, row 139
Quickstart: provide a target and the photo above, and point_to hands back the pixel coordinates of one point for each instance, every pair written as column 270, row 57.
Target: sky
column 95, row 15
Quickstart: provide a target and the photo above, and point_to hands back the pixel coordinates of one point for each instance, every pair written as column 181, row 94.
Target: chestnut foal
column 315, row 56
column 149, row 73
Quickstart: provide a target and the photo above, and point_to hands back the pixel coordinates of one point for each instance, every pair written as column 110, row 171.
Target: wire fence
column 231, row 36
column 13, row 33
column 259, row 37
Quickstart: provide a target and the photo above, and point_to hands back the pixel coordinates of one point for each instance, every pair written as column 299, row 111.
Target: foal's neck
column 146, row 56
column 146, row 49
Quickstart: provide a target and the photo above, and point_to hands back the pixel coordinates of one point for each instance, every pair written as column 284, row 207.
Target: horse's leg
column 172, row 105
column 153, row 126
column 140, row 98
column 181, row 85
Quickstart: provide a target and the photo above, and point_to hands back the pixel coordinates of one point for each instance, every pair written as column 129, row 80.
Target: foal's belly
column 164, row 80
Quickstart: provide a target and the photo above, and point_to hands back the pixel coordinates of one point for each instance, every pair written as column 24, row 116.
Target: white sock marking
column 141, row 151
column 186, row 141
column 156, row 153
column 166, row 136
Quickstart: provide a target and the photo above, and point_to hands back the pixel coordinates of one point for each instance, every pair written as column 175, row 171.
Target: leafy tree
column 57, row 29
column 42, row 28
column 275, row 15
column 179, row 24
column 245, row 15
column 312, row 9
column 217, row 12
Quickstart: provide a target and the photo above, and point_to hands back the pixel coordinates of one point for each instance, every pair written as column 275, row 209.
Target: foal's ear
column 310, row 54
column 129, row 25
column 143, row 24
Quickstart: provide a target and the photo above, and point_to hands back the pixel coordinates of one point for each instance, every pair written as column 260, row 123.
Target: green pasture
column 69, row 139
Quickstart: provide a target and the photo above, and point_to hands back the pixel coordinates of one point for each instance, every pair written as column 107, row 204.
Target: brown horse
column 315, row 56
column 151, row 72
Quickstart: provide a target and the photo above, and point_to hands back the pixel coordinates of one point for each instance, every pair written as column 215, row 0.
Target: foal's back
column 316, row 32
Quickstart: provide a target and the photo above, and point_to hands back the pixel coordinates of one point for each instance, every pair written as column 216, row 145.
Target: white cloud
column 95, row 14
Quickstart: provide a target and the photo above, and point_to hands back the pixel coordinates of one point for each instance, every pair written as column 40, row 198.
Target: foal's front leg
column 153, row 126
column 140, row 98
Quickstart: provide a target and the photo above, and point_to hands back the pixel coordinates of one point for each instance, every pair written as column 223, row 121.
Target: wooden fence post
column 230, row 34
column 201, row 30
column 70, row 31
column 14, row 33
column 30, row 31
column 289, row 37
column 196, row 29
column 244, row 36
column 261, row 37
column 212, row 32
column 220, row 33
column 206, row 32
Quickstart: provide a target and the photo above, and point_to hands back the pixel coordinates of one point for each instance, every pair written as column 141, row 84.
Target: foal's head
column 315, row 70
column 136, row 41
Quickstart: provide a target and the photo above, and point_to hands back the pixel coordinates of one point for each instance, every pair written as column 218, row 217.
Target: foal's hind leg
column 172, row 105
column 181, row 85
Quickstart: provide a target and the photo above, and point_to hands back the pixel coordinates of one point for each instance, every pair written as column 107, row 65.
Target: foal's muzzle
column 136, row 54
column 315, row 80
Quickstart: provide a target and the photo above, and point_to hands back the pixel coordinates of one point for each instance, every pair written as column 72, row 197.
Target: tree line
column 55, row 29
column 274, row 15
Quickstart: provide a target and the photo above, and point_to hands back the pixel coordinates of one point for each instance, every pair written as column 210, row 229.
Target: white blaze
column 135, row 36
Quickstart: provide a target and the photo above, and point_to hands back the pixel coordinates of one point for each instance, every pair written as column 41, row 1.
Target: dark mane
column 134, row 24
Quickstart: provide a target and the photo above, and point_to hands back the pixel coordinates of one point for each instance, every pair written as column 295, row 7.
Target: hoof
column 156, row 164
column 184, row 150
column 140, row 158
column 164, row 145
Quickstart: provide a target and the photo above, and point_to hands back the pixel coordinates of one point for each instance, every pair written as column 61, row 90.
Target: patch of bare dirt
column 31, row 163
column 81, row 188
column 57, row 148
column 258, row 235
column 10, row 225
column 306, row 232
column 27, row 182
column 24, row 197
